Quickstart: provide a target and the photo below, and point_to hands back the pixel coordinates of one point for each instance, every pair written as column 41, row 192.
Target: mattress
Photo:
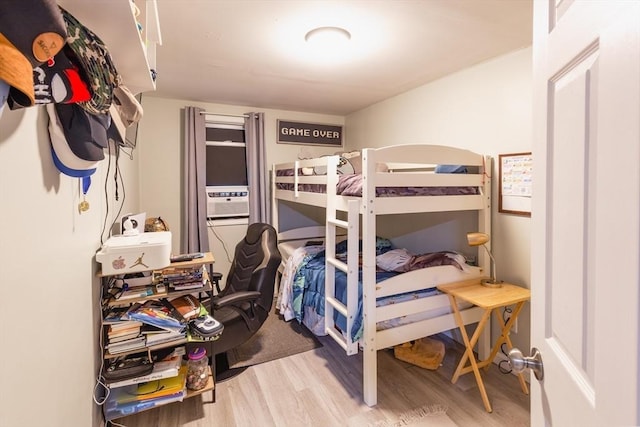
column 351, row 185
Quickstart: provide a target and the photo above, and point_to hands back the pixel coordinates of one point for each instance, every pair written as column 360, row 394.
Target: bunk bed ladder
column 350, row 268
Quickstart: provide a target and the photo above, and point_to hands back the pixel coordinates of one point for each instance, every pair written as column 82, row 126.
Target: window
column 226, row 177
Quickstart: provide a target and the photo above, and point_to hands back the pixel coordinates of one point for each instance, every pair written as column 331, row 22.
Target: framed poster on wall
column 309, row 133
column 514, row 185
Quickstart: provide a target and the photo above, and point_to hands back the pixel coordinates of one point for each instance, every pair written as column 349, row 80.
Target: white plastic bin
column 130, row 254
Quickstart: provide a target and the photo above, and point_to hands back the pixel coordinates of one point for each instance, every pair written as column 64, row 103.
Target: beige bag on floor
column 426, row 353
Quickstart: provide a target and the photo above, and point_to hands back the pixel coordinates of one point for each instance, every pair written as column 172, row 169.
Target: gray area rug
column 274, row 340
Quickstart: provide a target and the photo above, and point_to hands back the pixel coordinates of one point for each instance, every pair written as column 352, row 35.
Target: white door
column 585, row 218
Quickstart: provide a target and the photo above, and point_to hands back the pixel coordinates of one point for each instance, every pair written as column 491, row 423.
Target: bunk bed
column 389, row 180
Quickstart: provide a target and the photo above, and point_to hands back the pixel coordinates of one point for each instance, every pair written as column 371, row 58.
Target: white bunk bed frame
column 408, row 165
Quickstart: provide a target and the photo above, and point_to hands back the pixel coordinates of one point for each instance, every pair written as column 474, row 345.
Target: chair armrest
column 235, row 298
column 216, row 277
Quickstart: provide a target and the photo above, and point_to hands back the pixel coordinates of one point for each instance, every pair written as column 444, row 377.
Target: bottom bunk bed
column 408, row 305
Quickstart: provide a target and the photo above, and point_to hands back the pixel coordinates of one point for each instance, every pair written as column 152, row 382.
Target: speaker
column 133, row 224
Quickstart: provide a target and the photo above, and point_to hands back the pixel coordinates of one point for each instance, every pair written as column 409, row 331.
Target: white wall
column 486, row 109
column 49, row 291
column 161, row 164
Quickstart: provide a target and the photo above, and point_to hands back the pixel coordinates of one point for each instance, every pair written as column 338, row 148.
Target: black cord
column 117, row 175
column 211, row 226
column 106, row 196
column 506, row 315
column 500, row 368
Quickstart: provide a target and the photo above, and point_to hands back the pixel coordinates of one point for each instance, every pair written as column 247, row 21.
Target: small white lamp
column 480, row 239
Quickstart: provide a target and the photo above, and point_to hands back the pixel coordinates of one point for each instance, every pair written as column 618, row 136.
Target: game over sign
column 309, row 133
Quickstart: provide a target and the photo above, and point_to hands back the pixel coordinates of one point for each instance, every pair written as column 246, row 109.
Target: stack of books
column 168, row 366
column 136, row 397
column 180, row 279
column 154, row 335
column 158, row 315
column 123, row 334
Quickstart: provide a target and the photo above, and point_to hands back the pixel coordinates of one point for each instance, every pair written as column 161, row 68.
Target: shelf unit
column 207, row 289
column 132, row 51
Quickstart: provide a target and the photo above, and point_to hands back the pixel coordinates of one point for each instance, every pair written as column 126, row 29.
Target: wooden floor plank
column 323, row 387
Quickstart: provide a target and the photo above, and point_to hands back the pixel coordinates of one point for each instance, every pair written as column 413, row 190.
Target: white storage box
column 130, row 254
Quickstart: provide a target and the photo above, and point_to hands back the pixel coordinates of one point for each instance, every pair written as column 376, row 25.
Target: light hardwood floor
column 323, row 388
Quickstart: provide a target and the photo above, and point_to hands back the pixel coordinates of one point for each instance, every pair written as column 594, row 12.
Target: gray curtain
column 194, row 198
column 259, row 191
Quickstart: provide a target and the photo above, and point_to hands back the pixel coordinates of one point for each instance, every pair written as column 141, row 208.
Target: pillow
column 451, row 169
column 394, row 260
column 355, row 158
column 344, row 168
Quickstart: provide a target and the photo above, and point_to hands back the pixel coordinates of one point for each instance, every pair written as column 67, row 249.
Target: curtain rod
column 227, row 115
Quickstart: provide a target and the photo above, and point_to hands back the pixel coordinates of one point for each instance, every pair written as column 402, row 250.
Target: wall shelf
column 114, row 22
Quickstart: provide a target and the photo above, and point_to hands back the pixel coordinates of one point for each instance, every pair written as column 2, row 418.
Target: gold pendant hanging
column 83, row 206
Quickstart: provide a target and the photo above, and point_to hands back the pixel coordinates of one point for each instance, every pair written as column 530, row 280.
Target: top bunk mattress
column 351, row 185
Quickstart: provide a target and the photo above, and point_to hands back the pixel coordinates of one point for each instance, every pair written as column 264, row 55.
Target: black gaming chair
column 244, row 303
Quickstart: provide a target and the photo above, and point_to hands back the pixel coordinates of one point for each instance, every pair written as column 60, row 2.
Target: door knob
column 519, row 362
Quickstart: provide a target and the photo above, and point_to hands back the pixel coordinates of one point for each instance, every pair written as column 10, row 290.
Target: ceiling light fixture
column 326, row 36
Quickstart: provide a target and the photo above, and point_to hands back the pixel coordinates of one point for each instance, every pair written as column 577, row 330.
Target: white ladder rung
column 338, row 338
column 338, row 222
column 338, row 264
column 338, row 305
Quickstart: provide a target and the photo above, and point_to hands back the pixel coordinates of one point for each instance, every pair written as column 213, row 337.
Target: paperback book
column 150, row 390
column 128, row 345
column 155, row 313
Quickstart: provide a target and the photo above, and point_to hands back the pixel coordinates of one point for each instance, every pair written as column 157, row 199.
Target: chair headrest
column 254, row 232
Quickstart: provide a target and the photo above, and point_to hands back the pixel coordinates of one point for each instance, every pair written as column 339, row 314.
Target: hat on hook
column 58, row 80
column 125, row 112
column 35, row 27
column 17, row 72
column 63, row 157
column 86, row 133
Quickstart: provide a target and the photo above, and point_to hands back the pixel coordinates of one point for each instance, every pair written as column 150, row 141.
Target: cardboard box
column 130, row 254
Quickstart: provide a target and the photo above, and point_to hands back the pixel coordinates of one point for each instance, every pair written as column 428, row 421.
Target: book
column 155, row 313
column 124, row 329
column 121, row 338
column 161, row 338
column 186, row 286
column 165, row 368
column 115, row 315
column 152, row 389
column 127, row 345
column 124, row 324
column 113, row 409
column 135, row 292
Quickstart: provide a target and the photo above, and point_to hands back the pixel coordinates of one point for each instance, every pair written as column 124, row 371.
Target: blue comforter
column 308, row 291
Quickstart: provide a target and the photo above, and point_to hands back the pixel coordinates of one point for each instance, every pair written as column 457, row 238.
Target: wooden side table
column 490, row 299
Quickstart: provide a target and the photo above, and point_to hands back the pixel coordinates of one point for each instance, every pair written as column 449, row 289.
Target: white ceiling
column 251, row 52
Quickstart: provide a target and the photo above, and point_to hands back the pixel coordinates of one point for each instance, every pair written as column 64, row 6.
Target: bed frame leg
column 370, row 375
